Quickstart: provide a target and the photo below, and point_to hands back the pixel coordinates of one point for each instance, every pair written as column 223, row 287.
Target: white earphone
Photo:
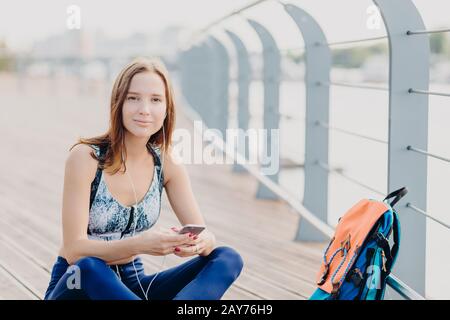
column 136, row 218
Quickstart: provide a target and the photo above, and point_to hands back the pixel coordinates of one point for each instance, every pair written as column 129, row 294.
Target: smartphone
column 192, row 228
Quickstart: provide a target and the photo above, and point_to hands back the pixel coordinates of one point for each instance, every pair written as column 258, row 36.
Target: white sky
column 22, row 22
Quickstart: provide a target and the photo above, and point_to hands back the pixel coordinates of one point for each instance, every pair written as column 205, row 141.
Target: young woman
column 112, row 198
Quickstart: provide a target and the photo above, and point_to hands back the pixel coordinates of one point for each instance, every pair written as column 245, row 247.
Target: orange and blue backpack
column 359, row 257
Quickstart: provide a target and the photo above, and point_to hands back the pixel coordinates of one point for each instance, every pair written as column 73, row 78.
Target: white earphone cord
column 136, row 219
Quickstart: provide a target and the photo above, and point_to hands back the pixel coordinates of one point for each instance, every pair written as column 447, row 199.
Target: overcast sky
column 22, row 22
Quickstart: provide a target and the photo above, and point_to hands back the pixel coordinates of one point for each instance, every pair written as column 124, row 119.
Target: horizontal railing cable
column 326, row 125
column 410, row 148
column 339, row 172
column 410, row 33
column 418, row 210
column 229, row 15
column 351, row 85
column 431, row 93
column 338, row 43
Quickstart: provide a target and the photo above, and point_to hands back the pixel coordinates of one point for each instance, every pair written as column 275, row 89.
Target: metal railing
column 202, row 58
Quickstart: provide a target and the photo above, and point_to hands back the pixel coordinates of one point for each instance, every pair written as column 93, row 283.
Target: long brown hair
column 113, row 139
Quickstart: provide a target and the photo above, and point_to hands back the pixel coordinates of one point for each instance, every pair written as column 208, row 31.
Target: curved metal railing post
column 271, row 80
column 317, row 66
column 195, row 76
column 218, row 110
column 408, row 125
column 243, row 81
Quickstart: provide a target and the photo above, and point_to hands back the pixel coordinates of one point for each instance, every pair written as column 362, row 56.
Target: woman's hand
column 161, row 242
column 202, row 244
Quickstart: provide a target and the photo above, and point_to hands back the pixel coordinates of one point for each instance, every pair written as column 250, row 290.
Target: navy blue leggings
column 200, row 278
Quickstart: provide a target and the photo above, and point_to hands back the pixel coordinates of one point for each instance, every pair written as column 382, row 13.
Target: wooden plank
column 247, row 281
column 156, row 266
column 266, row 270
column 35, row 243
column 238, row 293
column 31, row 277
column 268, row 267
column 12, row 289
column 30, row 245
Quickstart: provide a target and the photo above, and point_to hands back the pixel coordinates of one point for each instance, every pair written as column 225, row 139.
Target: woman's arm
column 80, row 169
column 182, row 200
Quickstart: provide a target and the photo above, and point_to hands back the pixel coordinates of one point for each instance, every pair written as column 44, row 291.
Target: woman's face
column 144, row 107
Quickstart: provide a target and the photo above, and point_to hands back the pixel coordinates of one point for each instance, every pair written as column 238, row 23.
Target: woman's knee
column 89, row 264
column 230, row 258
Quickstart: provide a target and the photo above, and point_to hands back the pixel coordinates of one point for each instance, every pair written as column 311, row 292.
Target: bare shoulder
column 173, row 166
column 80, row 161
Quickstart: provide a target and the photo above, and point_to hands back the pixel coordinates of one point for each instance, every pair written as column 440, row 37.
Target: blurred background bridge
column 355, row 117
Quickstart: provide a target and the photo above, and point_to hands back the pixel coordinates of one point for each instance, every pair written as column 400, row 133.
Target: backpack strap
column 390, row 253
column 398, row 194
column 396, row 238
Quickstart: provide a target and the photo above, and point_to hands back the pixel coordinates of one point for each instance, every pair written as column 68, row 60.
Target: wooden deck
column 40, row 124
